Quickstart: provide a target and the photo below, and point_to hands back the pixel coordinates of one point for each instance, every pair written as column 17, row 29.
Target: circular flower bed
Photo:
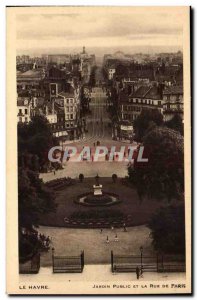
column 106, row 199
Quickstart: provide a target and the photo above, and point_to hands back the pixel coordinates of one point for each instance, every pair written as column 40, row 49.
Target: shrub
column 114, row 178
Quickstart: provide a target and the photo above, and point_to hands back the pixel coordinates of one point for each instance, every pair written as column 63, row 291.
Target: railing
column 32, row 266
column 157, row 263
column 68, row 264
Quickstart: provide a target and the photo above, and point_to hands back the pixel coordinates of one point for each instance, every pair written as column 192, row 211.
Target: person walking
column 137, row 270
column 101, row 231
column 116, row 238
column 107, row 239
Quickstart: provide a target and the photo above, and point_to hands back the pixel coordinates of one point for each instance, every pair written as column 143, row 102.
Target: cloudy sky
column 99, row 28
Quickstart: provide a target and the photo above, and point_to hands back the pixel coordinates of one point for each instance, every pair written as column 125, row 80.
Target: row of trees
column 34, row 198
column 161, row 177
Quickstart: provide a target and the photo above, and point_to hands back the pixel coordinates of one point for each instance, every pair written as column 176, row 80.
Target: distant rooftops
column 148, row 92
column 33, row 73
column 176, row 89
column 69, row 94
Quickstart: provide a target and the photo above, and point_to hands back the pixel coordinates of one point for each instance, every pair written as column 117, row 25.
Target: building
column 58, row 59
column 23, row 108
column 172, row 102
column 111, row 72
column 50, row 113
column 145, row 97
column 69, row 104
column 30, row 79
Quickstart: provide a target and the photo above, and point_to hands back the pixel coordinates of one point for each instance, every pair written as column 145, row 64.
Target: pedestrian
column 124, row 227
column 54, row 172
column 116, row 238
column 101, row 231
column 137, row 270
column 112, row 228
column 107, row 239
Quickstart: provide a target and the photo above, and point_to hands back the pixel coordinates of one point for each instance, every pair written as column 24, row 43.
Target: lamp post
column 141, row 251
column 53, row 252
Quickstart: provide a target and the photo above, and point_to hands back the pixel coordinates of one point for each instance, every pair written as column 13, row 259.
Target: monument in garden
column 98, row 197
column 97, row 187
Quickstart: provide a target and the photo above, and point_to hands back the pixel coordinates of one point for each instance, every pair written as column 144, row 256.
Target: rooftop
column 22, row 102
column 67, row 94
column 175, row 89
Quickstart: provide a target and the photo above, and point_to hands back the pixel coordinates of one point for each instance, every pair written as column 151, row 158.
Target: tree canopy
column 35, row 138
column 175, row 123
column 168, row 229
column 34, row 198
column 145, row 121
column 163, row 175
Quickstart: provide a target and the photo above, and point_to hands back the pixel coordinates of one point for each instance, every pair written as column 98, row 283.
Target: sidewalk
column 98, row 273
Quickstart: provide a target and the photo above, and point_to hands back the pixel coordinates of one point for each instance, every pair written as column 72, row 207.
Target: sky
column 100, row 30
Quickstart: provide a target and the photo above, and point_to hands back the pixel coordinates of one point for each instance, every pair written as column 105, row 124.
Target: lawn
column 130, row 205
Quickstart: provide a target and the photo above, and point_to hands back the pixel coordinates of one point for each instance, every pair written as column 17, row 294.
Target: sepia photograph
column 99, row 148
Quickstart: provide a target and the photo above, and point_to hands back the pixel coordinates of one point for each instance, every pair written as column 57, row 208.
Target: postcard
column 98, row 150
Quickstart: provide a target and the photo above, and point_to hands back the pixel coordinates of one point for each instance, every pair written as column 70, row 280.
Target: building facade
column 172, row 102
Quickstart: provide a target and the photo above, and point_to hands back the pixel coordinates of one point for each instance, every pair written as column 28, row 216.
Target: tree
column 35, row 138
column 145, row 121
column 163, row 175
column 34, row 198
column 168, row 229
column 175, row 123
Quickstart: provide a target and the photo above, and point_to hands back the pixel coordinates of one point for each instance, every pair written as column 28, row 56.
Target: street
column 99, row 132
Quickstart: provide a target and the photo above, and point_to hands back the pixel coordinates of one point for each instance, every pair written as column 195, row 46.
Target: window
column 20, row 111
column 20, row 119
column 159, row 102
column 25, row 111
column 67, row 101
column 67, row 125
column 71, row 116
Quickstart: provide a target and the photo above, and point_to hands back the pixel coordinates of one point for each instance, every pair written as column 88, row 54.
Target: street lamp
column 141, row 251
